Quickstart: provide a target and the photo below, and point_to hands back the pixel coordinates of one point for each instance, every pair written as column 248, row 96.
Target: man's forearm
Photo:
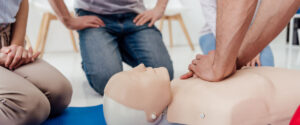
column 233, row 20
column 272, row 17
column 19, row 27
column 61, row 10
column 162, row 4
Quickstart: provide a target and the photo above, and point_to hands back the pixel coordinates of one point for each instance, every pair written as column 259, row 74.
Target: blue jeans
column 103, row 49
column 208, row 43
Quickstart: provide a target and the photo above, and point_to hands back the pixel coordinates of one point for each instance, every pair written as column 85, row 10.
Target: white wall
column 59, row 39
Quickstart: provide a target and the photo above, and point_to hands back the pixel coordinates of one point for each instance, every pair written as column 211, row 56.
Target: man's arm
column 233, row 20
column 151, row 15
column 271, row 18
column 74, row 23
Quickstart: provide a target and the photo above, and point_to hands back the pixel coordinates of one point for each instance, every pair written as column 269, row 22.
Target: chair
column 173, row 12
column 49, row 16
column 291, row 28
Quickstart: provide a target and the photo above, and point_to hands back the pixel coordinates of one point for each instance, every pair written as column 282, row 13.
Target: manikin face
column 138, row 96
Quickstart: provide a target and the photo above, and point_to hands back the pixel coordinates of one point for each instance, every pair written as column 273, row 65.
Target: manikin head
column 138, row 96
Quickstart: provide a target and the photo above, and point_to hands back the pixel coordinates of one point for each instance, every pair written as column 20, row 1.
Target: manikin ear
column 139, row 68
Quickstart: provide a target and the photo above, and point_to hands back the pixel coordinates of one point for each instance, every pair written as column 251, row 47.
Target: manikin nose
column 140, row 67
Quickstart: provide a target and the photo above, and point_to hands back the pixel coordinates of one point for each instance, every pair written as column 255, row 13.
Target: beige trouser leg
column 32, row 92
column 21, row 103
column 50, row 81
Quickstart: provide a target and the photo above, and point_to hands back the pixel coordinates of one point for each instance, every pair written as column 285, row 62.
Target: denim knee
column 266, row 57
column 207, row 43
column 98, row 77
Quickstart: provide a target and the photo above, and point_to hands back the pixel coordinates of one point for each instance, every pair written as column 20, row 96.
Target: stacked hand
column 14, row 56
column 202, row 67
column 149, row 16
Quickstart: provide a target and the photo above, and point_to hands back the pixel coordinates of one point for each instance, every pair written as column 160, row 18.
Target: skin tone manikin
column 236, row 43
column 137, row 97
column 251, row 96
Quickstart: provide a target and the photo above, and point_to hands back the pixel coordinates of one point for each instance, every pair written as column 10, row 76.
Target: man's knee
column 98, row 80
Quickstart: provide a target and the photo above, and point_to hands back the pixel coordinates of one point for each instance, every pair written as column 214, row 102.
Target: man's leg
column 145, row 45
column 207, row 43
column 266, row 57
column 50, row 81
column 100, row 53
column 21, row 103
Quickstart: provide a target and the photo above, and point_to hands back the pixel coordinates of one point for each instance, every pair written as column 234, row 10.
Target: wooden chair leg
column 170, row 31
column 179, row 17
column 41, row 31
column 45, row 32
column 161, row 25
column 73, row 40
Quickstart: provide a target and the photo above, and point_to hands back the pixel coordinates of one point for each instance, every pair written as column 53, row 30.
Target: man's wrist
column 15, row 43
column 218, row 72
column 160, row 8
column 66, row 20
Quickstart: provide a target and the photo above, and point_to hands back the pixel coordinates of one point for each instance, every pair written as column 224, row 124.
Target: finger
column 194, row 62
column 36, row 55
column 17, row 57
column 20, row 63
column 137, row 18
column 99, row 21
column 145, row 20
column 152, row 22
column 91, row 25
column 187, row 75
column 5, row 50
column 199, row 56
column 253, row 63
column 190, row 67
column 30, row 53
column 10, row 58
column 258, row 62
column 139, row 22
column 248, row 64
column 26, row 57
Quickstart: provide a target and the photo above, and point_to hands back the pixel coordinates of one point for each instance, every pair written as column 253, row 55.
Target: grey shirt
column 111, row 6
column 8, row 11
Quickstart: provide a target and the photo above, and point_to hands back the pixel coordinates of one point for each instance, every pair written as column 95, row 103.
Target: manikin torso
column 253, row 96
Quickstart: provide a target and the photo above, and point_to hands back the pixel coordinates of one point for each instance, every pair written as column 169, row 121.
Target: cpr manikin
column 252, row 96
column 137, row 97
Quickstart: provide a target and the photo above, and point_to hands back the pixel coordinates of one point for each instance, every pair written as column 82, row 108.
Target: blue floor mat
column 79, row 116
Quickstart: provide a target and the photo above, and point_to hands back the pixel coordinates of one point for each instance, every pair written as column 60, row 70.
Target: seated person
column 207, row 39
column 31, row 90
column 251, row 96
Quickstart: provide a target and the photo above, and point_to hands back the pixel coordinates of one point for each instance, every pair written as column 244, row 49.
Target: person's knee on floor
column 51, row 82
column 21, row 103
